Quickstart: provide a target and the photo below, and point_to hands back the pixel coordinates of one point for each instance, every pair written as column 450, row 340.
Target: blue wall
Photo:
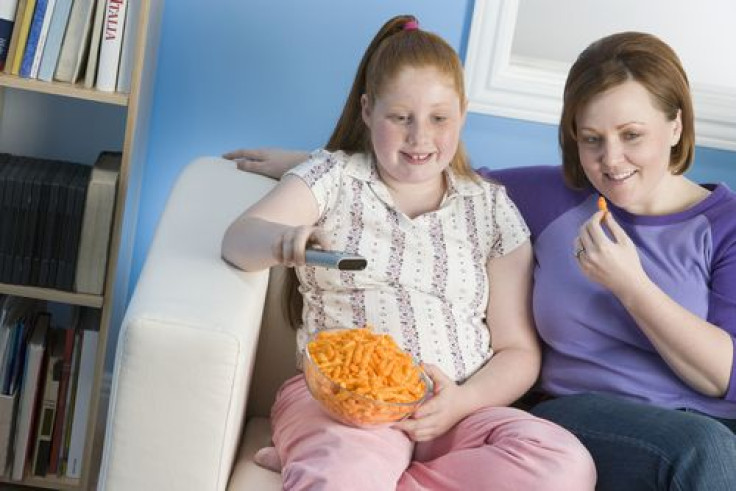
column 254, row 73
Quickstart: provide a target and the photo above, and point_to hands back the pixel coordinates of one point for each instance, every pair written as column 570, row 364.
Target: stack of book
column 89, row 41
column 47, row 368
column 55, row 220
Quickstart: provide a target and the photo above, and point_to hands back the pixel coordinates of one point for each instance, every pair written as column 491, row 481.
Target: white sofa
column 191, row 374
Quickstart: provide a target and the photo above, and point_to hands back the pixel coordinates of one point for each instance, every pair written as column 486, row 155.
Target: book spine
column 13, row 46
column 125, row 71
column 30, row 394
column 41, row 47
column 74, row 45
column 23, row 27
column 53, row 41
column 34, row 36
column 112, row 40
column 90, row 74
column 7, row 18
column 99, row 209
column 48, row 406
column 81, row 405
column 61, row 405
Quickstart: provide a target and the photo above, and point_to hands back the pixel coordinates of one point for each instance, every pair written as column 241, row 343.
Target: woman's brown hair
column 611, row 61
column 397, row 45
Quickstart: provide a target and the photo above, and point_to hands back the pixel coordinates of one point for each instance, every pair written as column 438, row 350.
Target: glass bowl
column 357, row 409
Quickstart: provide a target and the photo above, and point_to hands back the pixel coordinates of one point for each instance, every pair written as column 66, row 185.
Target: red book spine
column 66, row 369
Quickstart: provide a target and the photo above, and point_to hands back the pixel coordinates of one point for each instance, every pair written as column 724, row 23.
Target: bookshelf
column 132, row 116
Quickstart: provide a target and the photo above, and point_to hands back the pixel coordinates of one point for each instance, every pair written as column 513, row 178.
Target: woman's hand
column 698, row 352
column 608, row 257
column 440, row 413
column 271, row 162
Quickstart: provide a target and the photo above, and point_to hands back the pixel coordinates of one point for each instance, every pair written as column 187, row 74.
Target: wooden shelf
column 52, row 295
column 76, row 91
column 48, row 482
column 134, row 118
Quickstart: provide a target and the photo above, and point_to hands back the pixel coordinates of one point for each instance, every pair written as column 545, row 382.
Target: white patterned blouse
column 426, row 282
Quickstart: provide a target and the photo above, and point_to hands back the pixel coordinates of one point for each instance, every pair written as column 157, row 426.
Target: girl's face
column 624, row 143
column 415, row 125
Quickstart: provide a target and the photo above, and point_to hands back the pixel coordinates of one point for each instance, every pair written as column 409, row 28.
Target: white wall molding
column 501, row 83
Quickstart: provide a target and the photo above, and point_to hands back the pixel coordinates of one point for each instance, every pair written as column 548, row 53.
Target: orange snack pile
column 362, row 378
column 602, row 204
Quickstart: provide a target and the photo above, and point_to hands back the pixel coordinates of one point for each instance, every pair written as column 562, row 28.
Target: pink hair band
column 411, row 25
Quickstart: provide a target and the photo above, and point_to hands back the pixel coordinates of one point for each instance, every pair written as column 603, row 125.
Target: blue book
column 34, row 36
column 17, row 356
column 53, row 41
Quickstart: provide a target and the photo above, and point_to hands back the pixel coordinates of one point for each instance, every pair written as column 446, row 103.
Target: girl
column 395, row 186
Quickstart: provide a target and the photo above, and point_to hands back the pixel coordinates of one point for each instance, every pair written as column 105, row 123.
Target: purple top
column 591, row 342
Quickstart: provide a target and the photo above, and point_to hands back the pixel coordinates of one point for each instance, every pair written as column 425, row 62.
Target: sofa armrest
column 187, row 344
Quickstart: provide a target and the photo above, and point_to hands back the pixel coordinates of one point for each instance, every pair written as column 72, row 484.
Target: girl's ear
column 676, row 129
column 365, row 109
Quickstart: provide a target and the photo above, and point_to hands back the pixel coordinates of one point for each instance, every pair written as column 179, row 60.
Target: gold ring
column 579, row 251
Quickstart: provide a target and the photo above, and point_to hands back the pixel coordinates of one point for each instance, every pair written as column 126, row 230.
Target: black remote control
column 335, row 259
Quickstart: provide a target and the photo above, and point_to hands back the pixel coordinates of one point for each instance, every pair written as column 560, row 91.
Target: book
column 31, row 199
column 11, row 341
column 49, row 399
column 34, row 366
column 69, row 246
column 110, row 45
column 61, row 405
column 11, row 308
column 6, row 214
column 36, row 37
column 7, row 19
column 88, row 355
column 12, row 206
column 51, row 50
column 20, row 222
column 75, row 43
column 70, row 403
column 41, row 212
column 8, row 413
column 20, row 10
column 56, row 200
column 90, row 74
column 99, row 209
column 41, row 46
column 23, row 24
column 127, row 52
column 17, row 353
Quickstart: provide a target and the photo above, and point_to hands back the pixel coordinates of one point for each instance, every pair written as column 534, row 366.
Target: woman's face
column 415, row 125
column 624, row 143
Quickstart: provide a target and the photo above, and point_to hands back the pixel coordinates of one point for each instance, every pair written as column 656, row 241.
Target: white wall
column 701, row 32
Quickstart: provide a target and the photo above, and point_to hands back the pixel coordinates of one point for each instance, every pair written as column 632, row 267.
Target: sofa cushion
column 246, row 474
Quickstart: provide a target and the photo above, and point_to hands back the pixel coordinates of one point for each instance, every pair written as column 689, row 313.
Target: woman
column 636, row 306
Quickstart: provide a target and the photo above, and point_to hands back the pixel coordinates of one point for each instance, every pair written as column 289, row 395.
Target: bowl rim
column 428, row 383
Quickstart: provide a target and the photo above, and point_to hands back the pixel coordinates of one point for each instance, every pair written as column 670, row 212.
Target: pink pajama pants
column 492, row 449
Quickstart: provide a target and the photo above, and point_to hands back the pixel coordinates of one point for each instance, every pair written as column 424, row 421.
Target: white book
column 45, row 25
column 90, row 75
column 81, row 404
column 110, row 45
column 53, row 40
column 31, row 376
column 130, row 34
